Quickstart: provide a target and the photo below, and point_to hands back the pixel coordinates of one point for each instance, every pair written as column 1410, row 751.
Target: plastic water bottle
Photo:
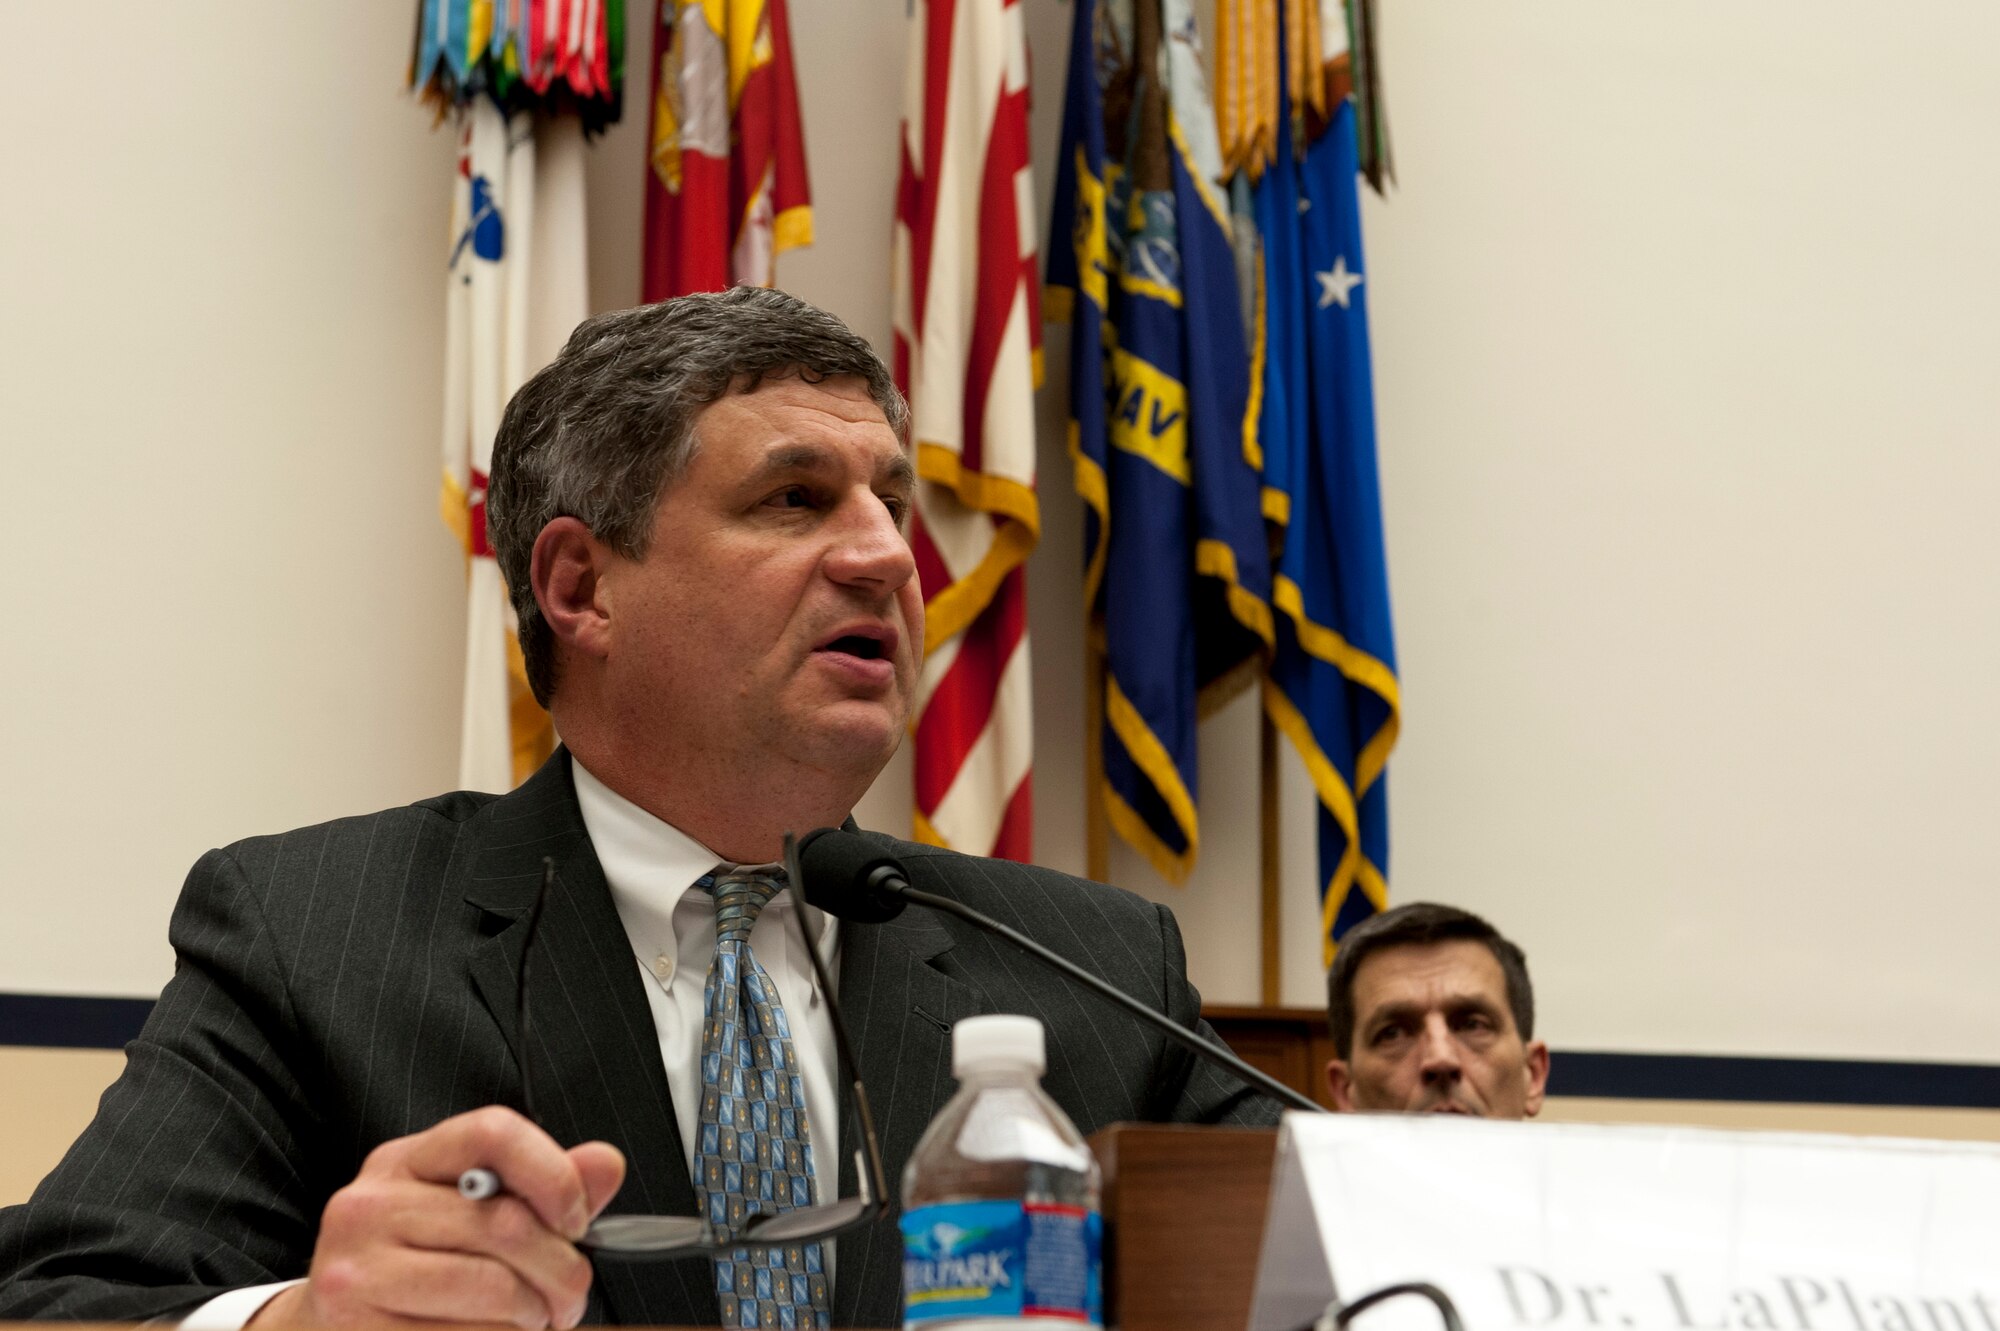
column 1000, row 1200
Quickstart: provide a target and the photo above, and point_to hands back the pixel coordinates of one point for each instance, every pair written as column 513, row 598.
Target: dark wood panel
column 1289, row 1043
column 1184, row 1220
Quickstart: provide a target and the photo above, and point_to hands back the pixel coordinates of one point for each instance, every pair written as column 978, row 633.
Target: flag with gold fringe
column 968, row 355
column 524, row 79
column 1177, row 568
column 1332, row 688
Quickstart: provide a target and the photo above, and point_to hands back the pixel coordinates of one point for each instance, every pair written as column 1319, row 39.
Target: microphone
column 848, row 878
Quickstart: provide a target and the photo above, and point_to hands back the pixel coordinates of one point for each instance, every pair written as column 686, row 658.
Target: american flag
column 968, row 355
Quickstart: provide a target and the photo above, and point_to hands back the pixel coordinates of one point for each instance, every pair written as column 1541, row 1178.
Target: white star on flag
column 1337, row 283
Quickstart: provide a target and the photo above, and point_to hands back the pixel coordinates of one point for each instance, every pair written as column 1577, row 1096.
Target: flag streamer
column 1328, row 60
column 542, row 57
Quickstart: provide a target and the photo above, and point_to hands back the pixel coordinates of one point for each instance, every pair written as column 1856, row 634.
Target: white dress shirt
column 651, row 867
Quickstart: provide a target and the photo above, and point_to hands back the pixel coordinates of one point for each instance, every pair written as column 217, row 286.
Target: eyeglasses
column 1338, row 1316
column 670, row 1236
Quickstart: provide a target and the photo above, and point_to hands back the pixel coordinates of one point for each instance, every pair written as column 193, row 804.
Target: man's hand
column 400, row 1243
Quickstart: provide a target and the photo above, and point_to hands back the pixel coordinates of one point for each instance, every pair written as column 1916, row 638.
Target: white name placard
column 1570, row 1227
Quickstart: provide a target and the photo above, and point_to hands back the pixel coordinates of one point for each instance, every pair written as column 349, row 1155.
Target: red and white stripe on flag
column 726, row 189
column 517, row 285
column 968, row 355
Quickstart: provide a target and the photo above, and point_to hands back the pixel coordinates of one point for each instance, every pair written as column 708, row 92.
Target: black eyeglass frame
column 668, row 1237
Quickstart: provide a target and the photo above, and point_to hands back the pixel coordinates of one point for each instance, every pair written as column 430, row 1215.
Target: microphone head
column 837, row 866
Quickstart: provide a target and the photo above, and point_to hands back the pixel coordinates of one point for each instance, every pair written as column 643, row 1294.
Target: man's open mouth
column 854, row 644
column 865, row 642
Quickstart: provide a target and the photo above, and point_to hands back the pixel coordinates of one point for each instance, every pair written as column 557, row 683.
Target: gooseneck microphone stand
column 848, row 878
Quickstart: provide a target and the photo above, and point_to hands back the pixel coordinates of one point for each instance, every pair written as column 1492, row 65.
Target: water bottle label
column 1001, row 1259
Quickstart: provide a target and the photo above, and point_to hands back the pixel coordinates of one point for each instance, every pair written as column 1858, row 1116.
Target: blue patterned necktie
column 754, row 1152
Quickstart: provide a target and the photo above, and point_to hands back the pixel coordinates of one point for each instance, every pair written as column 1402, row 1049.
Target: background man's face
column 1433, row 1034
column 775, row 618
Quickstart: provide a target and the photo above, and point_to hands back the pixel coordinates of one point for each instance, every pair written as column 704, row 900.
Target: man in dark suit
column 700, row 511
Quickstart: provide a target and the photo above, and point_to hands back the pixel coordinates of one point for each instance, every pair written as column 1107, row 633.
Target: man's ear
column 566, row 570
column 1538, row 1075
column 1340, row 1086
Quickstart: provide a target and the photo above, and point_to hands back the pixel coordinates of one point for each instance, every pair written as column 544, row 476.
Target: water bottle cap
column 983, row 1044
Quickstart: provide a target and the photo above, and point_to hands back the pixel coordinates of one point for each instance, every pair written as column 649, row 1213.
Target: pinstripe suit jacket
column 346, row 984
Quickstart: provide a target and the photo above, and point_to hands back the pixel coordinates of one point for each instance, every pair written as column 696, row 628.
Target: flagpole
column 1096, row 834
column 1268, row 856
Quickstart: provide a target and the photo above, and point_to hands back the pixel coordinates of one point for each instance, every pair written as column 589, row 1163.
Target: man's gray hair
column 603, row 431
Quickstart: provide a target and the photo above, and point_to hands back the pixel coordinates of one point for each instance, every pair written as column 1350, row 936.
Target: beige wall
column 50, row 1095
column 1684, row 347
column 231, row 605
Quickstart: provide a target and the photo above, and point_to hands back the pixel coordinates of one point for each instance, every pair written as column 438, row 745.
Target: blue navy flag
column 1332, row 687
column 1177, row 562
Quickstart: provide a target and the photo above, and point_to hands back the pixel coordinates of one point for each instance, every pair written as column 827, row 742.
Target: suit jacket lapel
column 594, row 1054
column 597, row 1073
column 899, row 1009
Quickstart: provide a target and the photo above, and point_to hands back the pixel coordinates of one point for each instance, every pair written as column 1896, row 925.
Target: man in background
column 1433, row 1013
